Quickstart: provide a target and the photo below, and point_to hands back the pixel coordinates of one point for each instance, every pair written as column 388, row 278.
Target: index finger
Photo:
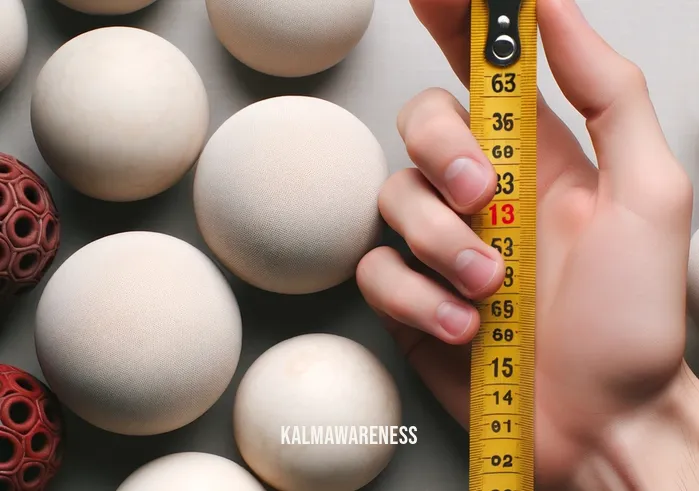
column 449, row 24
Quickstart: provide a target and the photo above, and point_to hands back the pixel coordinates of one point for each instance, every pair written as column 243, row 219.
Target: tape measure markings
column 503, row 100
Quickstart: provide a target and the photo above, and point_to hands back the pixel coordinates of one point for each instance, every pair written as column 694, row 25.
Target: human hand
column 612, row 256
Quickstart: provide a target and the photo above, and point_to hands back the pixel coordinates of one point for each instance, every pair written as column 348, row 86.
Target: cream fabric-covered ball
column 312, row 382
column 13, row 39
column 191, row 471
column 119, row 113
column 290, row 38
column 106, row 7
column 138, row 333
column 286, row 191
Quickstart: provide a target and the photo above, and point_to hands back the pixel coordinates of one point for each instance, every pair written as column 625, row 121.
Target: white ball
column 315, row 380
column 106, row 7
column 191, row 471
column 286, row 192
column 138, row 333
column 286, row 39
column 693, row 279
column 13, row 39
column 119, row 113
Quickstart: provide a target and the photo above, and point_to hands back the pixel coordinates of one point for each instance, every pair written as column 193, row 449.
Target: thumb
column 610, row 91
column 448, row 22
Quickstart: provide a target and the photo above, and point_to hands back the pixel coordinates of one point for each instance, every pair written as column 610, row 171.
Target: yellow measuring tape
column 503, row 120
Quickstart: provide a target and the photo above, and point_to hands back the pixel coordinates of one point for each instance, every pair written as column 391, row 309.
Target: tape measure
column 503, row 120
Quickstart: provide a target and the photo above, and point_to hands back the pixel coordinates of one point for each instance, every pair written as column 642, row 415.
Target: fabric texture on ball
column 13, row 39
column 290, row 38
column 119, row 113
column 138, row 333
column 106, row 7
column 286, row 192
column 191, row 471
column 314, row 380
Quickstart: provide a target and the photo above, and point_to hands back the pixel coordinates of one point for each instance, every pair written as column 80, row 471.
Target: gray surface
column 395, row 61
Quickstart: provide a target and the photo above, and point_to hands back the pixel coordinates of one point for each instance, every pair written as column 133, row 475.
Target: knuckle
column 368, row 265
column 633, row 77
column 427, row 98
column 672, row 192
column 421, row 137
column 677, row 190
column 424, row 235
column 681, row 186
column 394, row 186
column 433, row 94
column 399, row 304
column 420, row 246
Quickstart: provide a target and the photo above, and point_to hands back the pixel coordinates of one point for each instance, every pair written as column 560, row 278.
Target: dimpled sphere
column 119, row 113
column 29, row 228
column 290, row 39
column 285, row 194
column 191, row 471
column 13, row 39
column 314, row 380
column 106, row 7
column 31, row 432
column 138, row 333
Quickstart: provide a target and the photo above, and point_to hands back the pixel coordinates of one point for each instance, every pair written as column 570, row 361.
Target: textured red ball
column 29, row 228
column 31, row 432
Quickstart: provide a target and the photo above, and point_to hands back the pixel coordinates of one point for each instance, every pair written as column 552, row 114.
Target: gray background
column 395, row 60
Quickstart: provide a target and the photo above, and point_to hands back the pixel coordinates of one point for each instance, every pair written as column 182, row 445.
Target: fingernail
column 454, row 318
column 466, row 180
column 475, row 270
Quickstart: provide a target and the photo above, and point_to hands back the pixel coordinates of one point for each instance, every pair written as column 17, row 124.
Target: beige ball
column 106, row 7
column 138, row 333
column 191, row 471
column 315, row 380
column 290, row 39
column 119, row 113
column 285, row 194
column 13, row 39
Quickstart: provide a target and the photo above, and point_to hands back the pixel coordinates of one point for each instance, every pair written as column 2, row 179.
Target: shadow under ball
column 106, row 7
column 290, row 39
column 138, row 333
column 29, row 228
column 286, row 191
column 315, row 380
column 119, row 113
column 190, row 471
column 13, row 39
column 31, row 432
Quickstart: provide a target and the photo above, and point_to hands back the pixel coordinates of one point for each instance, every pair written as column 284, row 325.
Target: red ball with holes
column 31, row 432
column 29, row 228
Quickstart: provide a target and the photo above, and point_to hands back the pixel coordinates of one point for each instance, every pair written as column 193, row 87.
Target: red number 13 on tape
column 502, row 214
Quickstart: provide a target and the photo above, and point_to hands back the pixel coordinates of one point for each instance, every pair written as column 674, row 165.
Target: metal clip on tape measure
column 503, row 120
